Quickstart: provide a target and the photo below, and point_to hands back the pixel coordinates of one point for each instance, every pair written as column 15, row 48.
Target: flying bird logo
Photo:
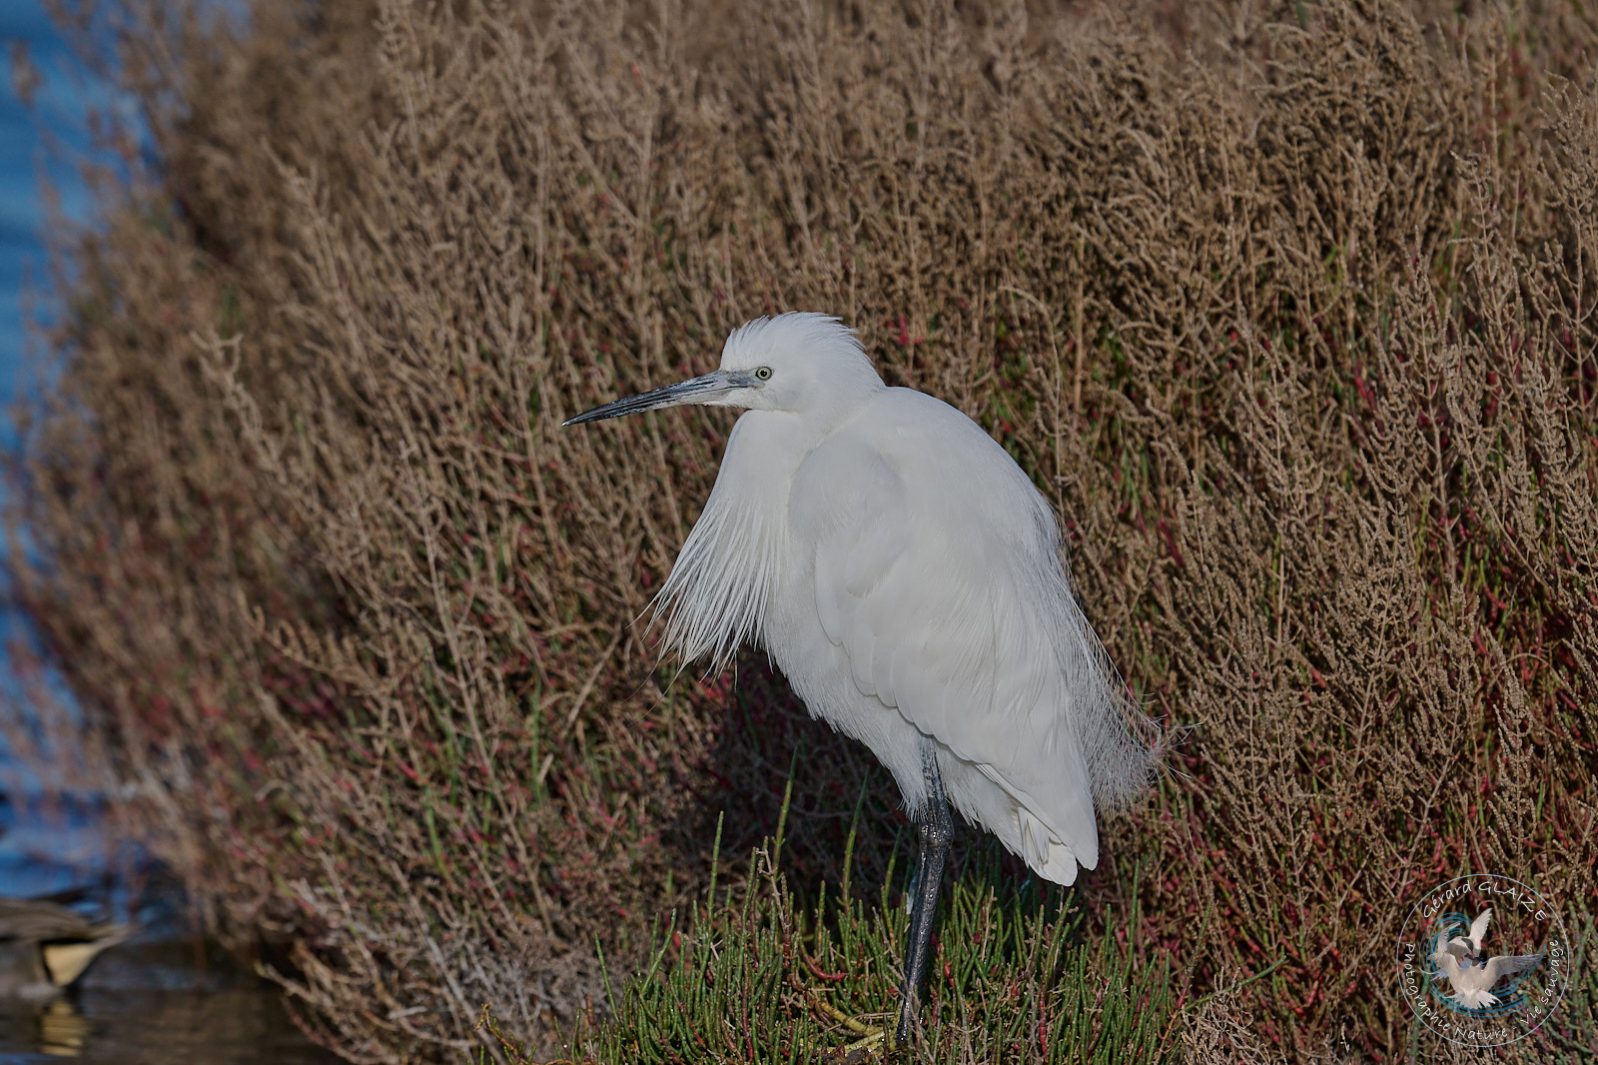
column 1471, row 974
column 1468, row 992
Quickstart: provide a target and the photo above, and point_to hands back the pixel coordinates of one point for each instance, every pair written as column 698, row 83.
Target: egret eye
column 763, row 374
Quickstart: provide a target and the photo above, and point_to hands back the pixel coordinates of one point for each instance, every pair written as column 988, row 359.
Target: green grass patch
column 754, row 973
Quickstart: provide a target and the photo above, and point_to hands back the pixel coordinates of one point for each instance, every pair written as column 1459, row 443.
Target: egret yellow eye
column 763, row 374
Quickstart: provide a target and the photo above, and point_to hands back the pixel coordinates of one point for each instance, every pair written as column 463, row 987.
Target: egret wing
column 940, row 615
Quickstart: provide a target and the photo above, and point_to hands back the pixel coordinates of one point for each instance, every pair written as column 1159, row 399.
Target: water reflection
column 155, row 1002
column 63, row 1031
column 54, row 1030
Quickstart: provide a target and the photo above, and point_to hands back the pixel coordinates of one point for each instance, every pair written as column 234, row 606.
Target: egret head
column 798, row 363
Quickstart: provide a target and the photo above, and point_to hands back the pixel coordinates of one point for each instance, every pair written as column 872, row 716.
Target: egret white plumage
column 906, row 577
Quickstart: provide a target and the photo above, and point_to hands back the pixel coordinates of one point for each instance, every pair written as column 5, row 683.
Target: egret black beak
column 706, row 389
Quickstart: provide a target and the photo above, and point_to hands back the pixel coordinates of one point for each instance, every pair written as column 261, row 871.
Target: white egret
column 906, row 577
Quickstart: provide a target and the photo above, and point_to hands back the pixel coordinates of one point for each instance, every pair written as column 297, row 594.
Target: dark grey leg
column 935, row 828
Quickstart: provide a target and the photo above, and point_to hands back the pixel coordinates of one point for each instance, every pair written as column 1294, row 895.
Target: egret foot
column 871, row 1036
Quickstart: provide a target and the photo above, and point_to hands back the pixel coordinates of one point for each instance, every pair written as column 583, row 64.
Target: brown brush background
column 1289, row 307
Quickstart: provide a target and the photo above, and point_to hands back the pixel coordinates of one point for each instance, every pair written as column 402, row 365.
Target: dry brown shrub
column 1290, row 309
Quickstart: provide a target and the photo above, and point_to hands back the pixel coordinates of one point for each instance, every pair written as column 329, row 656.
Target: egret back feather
column 938, row 576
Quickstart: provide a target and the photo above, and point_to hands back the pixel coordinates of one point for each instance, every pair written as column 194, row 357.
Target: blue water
column 44, row 139
column 65, row 96
column 165, row 995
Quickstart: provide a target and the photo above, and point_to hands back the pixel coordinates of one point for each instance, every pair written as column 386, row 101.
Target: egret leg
column 935, row 828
